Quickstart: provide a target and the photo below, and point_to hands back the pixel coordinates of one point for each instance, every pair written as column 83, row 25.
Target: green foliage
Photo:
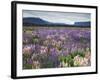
column 35, row 40
column 47, row 64
column 69, row 58
column 26, row 55
column 81, row 54
column 83, row 40
column 27, row 66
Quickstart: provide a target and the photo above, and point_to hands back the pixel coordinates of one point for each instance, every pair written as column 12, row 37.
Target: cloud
column 58, row 17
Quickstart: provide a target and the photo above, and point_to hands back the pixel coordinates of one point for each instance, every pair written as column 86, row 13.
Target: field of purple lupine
column 56, row 47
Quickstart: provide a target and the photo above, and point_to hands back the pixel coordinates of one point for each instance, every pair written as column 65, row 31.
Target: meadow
column 56, row 47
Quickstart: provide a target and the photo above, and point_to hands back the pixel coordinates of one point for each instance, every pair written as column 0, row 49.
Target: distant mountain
column 34, row 21
column 88, row 23
column 31, row 21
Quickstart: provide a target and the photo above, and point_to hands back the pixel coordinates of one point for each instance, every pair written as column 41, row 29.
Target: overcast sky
column 58, row 17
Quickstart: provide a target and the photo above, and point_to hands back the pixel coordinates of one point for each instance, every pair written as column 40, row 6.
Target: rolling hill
column 31, row 21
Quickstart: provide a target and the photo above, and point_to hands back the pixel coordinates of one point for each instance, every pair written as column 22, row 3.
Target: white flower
column 77, row 60
column 84, row 62
column 43, row 49
column 80, row 61
column 35, row 65
column 48, row 37
column 62, row 37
